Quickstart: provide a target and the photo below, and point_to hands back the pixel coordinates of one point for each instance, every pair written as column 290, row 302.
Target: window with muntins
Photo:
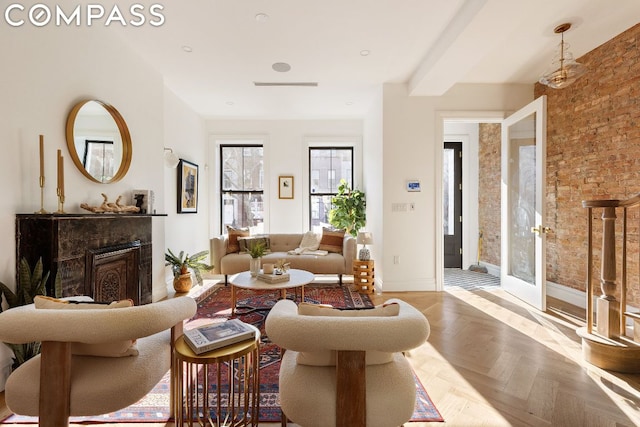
column 242, row 186
column 327, row 166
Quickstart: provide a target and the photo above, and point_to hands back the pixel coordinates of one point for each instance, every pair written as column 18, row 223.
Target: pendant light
column 564, row 69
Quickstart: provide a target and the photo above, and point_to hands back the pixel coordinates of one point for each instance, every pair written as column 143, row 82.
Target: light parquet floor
column 493, row 361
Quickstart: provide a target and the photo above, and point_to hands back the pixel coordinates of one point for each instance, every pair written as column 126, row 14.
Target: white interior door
column 522, row 264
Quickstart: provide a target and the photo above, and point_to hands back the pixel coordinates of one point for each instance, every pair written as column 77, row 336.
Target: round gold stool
column 235, row 403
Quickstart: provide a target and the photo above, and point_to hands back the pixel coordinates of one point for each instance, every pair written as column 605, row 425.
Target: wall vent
column 301, row 84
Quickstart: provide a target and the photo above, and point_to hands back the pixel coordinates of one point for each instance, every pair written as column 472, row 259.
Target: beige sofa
column 280, row 244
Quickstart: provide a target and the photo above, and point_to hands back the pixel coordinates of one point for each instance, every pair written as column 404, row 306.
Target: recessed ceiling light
column 262, row 17
column 281, row 67
column 230, row 103
column 187, row 49
column 349, row 102
column 365, row 52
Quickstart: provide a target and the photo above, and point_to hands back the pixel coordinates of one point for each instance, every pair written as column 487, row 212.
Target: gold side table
column 233, row 404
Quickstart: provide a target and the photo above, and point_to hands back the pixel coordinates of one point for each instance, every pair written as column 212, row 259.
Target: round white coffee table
column 297, row 278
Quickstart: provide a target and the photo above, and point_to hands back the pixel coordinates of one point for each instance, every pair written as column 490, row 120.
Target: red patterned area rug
column 254, row 306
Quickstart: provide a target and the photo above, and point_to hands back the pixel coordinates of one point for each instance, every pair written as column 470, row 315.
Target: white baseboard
column 578, row 298
column 426, row 284
column 555, row 290
column 492, row 269
column 567, row 294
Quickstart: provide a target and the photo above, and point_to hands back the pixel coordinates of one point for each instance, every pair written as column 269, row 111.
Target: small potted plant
column 256, row 251
column 181, row 264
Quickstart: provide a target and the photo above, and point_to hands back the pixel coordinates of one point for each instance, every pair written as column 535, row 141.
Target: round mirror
column 98, row 141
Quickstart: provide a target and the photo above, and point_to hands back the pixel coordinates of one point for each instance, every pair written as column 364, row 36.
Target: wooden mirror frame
column 124, row 135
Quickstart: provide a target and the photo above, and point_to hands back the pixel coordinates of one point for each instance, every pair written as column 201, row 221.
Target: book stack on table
column 216, row 335
column 274, row 278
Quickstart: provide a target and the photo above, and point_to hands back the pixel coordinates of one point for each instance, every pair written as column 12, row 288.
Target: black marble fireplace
column 105, row 256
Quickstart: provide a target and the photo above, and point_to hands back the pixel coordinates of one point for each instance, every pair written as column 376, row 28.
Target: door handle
column 540, row 230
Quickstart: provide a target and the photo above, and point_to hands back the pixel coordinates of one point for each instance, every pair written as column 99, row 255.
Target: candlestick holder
column 42, row 211
column 60, row 203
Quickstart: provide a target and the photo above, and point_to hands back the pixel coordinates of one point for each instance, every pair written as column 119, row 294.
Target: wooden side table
column 363, row 276
column 231, row 404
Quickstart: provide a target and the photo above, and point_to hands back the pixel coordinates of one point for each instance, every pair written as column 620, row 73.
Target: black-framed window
column 241, row 185
column 327, row 166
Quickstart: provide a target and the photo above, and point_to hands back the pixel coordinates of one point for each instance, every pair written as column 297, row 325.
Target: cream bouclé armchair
column 346, row 368
column 59, row 382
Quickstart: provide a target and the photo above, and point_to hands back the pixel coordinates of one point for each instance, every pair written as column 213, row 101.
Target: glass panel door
column 522, row 204
column 522, row 269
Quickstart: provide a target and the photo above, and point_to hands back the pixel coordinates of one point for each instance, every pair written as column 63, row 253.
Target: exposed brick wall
column 489, row 191
column 593, row 152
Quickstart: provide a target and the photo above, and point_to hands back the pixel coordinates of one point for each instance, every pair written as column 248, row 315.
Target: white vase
column 254, row 266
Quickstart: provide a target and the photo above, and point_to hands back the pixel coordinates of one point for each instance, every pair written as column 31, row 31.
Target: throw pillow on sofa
column 247, row 243
column 331, row 240
column 232, row 239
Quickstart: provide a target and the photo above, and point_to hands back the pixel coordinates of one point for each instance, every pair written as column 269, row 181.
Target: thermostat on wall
column 413, row 185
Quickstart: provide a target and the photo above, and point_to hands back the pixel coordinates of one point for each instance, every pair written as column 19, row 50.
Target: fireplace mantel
column 77, row 246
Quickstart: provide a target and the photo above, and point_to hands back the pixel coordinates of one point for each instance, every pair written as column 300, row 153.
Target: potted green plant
column 180, row 266
column 256, row 251
column 349, row 209
column 30, row 283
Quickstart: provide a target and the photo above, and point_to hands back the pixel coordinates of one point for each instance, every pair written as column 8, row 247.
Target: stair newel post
column 608, row 309
column 608, row 347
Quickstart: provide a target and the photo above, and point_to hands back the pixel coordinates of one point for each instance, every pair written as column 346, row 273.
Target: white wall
column 286, row 153
column 413, row 134
column 184, row 133
column 373, row 178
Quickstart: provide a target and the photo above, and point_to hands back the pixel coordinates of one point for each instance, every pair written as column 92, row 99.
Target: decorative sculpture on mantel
column 110, row 207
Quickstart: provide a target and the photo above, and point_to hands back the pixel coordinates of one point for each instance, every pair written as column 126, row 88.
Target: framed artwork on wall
column 187, row 187
column 285, row 187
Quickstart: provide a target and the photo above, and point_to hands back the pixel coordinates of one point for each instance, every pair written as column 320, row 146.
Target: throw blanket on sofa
column 308, row 246
column 307, row 251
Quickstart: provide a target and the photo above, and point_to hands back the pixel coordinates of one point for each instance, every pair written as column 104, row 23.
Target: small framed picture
column 413, row 185
column 285, row 187
column 187, row 187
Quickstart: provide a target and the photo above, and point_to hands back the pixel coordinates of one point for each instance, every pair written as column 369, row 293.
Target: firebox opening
column 113, row 273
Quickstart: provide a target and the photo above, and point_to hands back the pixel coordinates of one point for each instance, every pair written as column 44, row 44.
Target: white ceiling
column 430, row 44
